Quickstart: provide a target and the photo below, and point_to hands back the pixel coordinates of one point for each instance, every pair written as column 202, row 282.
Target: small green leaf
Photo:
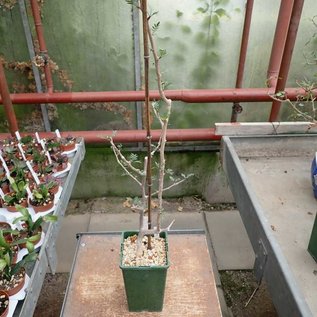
column 203, row 10
column 133, row 157
column 50, row 218
column 29, row 246
column 155, row 26
column 34, row 238
column 162, row 53
column 7, row 258
column 221, row 12
column 3, row 264
column 186, row 29
column 179, row 13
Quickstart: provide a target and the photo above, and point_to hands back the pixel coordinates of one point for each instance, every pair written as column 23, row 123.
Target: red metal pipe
column 244, row 42
column 134, row 136
column 243, row 54
column 287, row 56
column 189, row 96
column 8, row 107
column 43, row 49
column 282, row 26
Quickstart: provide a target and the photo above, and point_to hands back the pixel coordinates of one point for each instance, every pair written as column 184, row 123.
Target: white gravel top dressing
column 154, row 257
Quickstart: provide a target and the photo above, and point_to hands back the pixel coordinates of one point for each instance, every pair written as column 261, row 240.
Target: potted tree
column 144, row 253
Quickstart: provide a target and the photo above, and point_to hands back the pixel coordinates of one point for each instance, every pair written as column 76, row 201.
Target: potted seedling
column 9, row 153
column 27, row 140
column 6, row 241
column 144, row 254
column 30, row 231
column 44, row 170
column 43, row 198
column 18, row 195
column 12, row 274
column 5, row 184
column 19, row 170
column 67, row 143
column 38, row 157
column 4, row 304
column 60, row 162
column 53, row 146
column 51, row 183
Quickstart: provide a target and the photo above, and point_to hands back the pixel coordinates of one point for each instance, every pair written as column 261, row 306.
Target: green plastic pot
column 312, row 246
column 144, row 285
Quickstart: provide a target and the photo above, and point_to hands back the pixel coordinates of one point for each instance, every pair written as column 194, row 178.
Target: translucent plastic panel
column 92, row 41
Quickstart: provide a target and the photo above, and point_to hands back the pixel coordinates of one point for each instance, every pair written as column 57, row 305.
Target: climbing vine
column 211, row 14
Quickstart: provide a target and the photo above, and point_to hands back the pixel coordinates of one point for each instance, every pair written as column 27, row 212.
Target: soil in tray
column 238, row 287
column 52, row 294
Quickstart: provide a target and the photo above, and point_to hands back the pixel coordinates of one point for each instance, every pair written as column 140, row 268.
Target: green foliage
column 133, row 2
column 7, row 267
column 19, row 192
column 133, row 158
column 186, row 29
column 155, row 26
column 179, row 14
column 161, row 53
column 31, row 226
column 26, row 139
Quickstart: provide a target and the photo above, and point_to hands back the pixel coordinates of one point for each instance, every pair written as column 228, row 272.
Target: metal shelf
column 270, row 180
column 47, row 256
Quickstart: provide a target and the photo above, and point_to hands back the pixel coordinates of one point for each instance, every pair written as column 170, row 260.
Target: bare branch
column 123, row 158
column 174, row 184
column 117, row 153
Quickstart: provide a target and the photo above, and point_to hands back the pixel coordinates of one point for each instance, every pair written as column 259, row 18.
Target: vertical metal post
column 280, row 35
column 8, row 107
column 42, row 44
column 137, row 65
column 36, row 72
column 147, row 111
column 287, row 56
column 236, row 108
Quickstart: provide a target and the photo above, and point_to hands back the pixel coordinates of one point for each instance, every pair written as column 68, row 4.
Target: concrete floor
column 229, row 239
column 225, row 232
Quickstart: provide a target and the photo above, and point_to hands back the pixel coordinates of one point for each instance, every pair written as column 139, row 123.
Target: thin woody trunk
column 147, row 111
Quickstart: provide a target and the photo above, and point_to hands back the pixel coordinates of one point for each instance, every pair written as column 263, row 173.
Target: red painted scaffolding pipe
column 189, row 96
column 8, row 107
column 282, row 26
column 287, row 56
column 236, row 108
column 134, row 136
column 43, row 49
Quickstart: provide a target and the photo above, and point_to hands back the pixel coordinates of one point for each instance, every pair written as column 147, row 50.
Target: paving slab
column 113, row 222
column 230, row 241
column 128, row 221
column 66, row 241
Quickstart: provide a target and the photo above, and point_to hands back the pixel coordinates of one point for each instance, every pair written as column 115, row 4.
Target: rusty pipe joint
column 237, row 108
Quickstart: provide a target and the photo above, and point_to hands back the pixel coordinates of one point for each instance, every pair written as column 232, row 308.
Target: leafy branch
column 304, row 107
